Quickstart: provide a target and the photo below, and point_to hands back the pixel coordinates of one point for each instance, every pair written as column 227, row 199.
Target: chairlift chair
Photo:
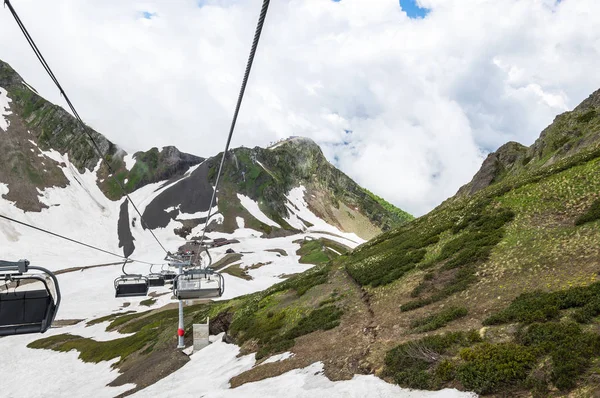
column 131, row 285
column 24, row 306
column 155, row 279
column 169, row 276
column 199, row 284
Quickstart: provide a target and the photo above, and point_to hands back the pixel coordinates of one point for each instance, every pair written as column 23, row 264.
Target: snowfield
column 219, row 362
column 83, row 212
column 4, row 109
column 253, row 209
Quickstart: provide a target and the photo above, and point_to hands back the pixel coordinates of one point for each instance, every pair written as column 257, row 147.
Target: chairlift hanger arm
column 20, row 266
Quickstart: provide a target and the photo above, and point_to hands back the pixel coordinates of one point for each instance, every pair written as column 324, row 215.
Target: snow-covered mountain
column 281, row 210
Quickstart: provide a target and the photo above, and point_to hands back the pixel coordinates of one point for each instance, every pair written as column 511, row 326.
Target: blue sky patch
column 412, row 9
column 148, row 15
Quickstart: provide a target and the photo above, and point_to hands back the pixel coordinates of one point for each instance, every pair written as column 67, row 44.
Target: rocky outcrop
column 569, row 134
column 51, row 126
column 37, row 125
column 497, row 164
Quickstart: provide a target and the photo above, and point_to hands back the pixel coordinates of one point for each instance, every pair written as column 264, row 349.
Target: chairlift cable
column 46, row 67
column 73, row 240
column 259, row 27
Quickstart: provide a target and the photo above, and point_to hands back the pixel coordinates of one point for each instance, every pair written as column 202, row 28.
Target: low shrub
column 389, row 257
column 461, row 281
column 541, row 306
column 489, row 368
column 481, row 230
column 438, row 320
column 324, row 318
column 410, row 364
column 569, row 347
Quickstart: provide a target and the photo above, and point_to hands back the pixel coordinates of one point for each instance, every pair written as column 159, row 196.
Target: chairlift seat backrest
column 131, row 286
column 29, row 311
column 169, row 276
column 156, row 280
column 197, row 285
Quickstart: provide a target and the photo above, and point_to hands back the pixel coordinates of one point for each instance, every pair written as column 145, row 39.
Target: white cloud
column 422, row 98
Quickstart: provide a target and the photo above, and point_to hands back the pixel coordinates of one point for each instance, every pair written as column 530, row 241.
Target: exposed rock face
column 494, row 166
column 569, row 134
column 36, row 125
column 591, row 102
column 52, row 126
column 190, row 195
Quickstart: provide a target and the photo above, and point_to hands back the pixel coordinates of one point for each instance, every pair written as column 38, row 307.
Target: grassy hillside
column 495, row 291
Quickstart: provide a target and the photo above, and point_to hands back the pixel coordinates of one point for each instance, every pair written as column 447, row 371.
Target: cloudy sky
column 405, row 97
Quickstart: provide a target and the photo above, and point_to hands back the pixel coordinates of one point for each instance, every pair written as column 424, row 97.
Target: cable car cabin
column 156, row 280
column 28, row 301
column 131, row 286
column 198, row 284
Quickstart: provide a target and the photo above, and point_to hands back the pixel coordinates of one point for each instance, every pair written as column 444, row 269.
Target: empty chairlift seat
column 169, row 276
column 156, row 280
column 198, row 284
column 131, row 286
column 27, row 302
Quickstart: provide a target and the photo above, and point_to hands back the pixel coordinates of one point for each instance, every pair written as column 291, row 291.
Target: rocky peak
column 591, row 102
column 569, row 134
column 497, row 164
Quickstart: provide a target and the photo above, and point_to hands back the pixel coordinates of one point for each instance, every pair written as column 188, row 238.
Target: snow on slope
column 129, row 161
column 253, row 209
column 299, row 211
column 4, row 109
column 209, row 371
column 82, row 211
column 44, row 373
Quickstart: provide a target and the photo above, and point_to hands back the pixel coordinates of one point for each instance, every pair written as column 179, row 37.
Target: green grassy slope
column 496, row 291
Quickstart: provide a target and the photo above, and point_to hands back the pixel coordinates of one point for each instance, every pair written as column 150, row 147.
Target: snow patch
column 253, row 209
column 199, row 214
column 241, row 223
column 335, row 251
column 279, row 357
column 129, row 162
column 4, row 109
column 277, row 145
column 32, row 142
column 54, row 155
column 298, row 209
column 56, row 374
column 218, row 363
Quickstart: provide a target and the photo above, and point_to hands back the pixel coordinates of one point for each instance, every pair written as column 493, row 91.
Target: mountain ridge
column 44, row 141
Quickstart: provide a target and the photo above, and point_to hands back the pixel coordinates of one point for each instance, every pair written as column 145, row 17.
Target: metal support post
column 180, row 331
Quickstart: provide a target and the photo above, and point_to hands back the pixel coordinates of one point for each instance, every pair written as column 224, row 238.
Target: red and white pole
column 180, row 330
